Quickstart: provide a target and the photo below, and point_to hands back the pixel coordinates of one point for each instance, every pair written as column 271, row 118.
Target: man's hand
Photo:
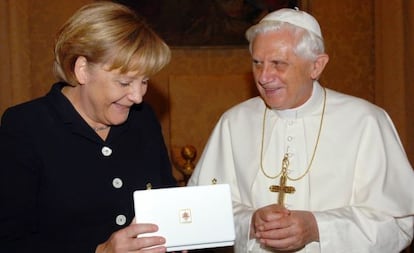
column 279, row 228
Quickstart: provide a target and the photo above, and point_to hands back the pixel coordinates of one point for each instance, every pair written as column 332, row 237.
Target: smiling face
column 283, row 79
column 105, row 96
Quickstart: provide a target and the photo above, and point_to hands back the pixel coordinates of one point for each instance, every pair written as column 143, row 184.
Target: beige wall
column 349, row 32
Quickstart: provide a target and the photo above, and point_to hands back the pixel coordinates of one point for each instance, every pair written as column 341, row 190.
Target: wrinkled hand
column 125, row 240
column 279, row 228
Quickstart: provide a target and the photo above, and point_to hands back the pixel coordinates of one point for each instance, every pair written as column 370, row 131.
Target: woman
column 72, row 159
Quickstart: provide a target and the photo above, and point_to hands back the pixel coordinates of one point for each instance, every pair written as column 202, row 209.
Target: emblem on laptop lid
column 185, row 216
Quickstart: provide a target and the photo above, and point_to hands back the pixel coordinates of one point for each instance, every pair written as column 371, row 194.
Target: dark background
column 204, row 22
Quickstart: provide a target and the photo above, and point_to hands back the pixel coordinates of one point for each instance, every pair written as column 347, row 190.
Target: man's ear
column 81, row 69
column 319, row 65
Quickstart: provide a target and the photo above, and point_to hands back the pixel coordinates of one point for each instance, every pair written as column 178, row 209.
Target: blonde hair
column 109, row 33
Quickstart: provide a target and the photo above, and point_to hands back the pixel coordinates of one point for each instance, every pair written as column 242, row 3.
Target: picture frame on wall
column 205, row 23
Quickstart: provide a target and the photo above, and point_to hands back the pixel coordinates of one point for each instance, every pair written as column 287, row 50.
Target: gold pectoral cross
column 283, row 188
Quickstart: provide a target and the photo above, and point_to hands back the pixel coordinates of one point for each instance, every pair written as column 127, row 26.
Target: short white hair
column 309, row 45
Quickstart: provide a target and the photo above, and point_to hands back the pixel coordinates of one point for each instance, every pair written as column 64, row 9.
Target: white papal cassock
column 360, row 186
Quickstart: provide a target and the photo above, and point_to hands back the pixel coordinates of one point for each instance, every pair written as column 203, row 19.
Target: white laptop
column 192, row 217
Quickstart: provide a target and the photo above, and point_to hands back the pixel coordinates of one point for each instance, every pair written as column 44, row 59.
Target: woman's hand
column 126, row 240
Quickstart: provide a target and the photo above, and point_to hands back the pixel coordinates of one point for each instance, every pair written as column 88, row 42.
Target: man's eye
column 280, row 65
column 257, row 64
column 145, row 82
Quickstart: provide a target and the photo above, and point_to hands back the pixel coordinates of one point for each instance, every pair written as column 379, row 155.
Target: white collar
column 311, row 106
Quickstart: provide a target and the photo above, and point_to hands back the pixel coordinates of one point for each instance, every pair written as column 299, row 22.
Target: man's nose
column 266, row 74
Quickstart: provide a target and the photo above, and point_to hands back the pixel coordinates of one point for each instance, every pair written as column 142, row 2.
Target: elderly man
column 311, row 169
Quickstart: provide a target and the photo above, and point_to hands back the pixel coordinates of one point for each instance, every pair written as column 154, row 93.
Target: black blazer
column 64, row 189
